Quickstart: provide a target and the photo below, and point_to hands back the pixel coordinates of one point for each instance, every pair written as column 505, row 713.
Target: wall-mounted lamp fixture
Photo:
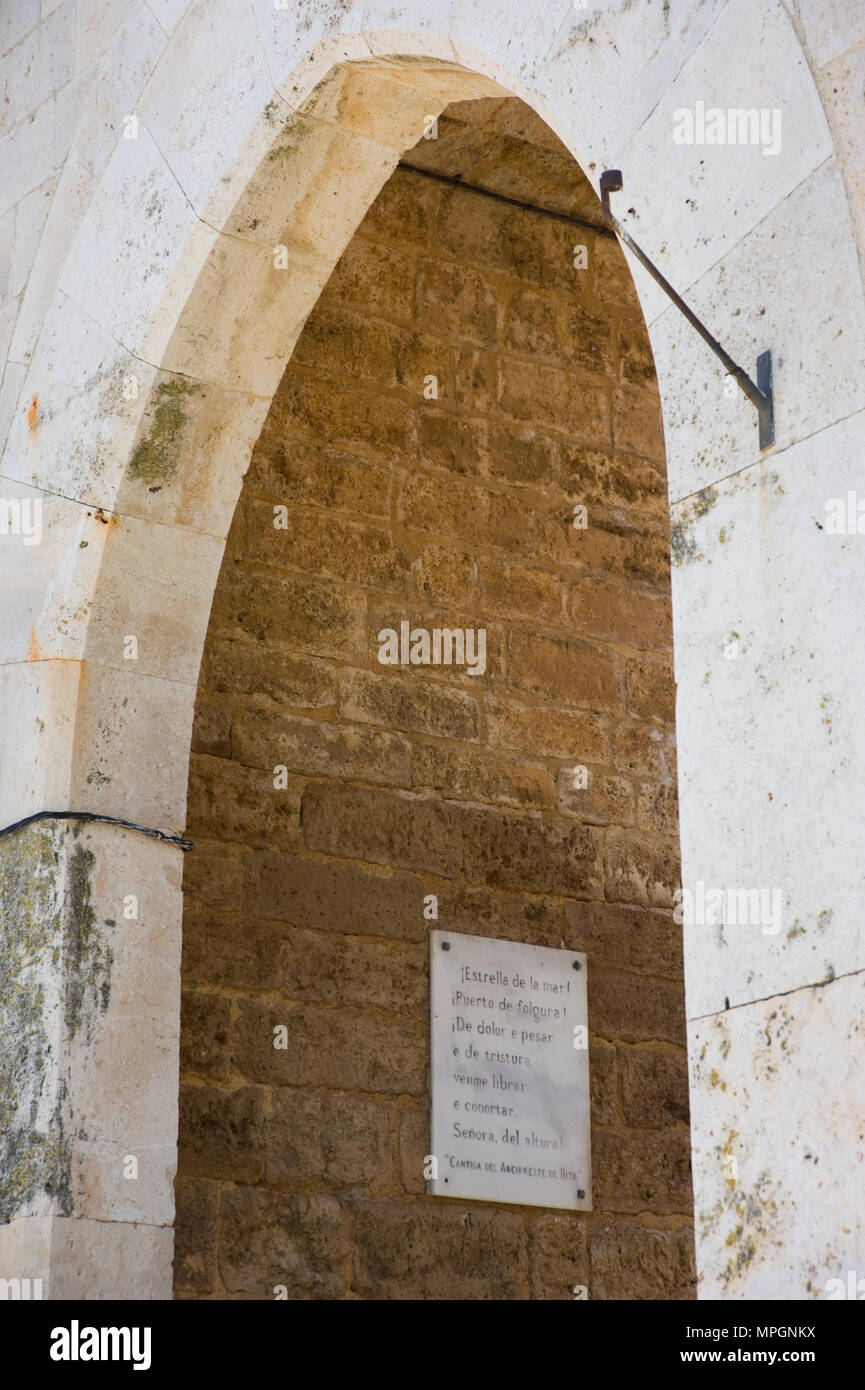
column 759, row 393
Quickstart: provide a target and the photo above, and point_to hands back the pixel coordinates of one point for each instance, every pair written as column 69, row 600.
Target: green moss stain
column 755, row 1216
column 88, row 956
column 683, row 546
column 30, row 932
column 704, row 502
column 55, row 972
column 291, row 148
column 157, row 456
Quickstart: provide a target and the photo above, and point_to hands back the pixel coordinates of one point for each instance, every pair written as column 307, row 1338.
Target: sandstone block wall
column 302, row 1167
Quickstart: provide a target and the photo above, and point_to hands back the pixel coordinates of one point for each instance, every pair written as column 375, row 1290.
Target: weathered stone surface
column 642, row 870
column 230, row 949
column 630, row 1262
column 204, row 1027
column 635, row 1008
column 617, row 615
column 210, row 875
column 520, row 454
column 638, row 940
column 411, row 1251
column 421, row 706
column 540, row 729
column 567, row 672
column 226, row 803
column 270, row 1239
column 442, row 575
column 446, row 505
column 745, row 1196
column 222, row 1133
column 446, row 839
column 480, row 776
column 327, row 967
column 649, row 1171
column 512, row 916
column 267, row 673
column 455, row 300
column 606, row 799
column 309, row 747
column 346, row 1047
column 317, row 617
column 317, row 542
column 196, row 1225
column 654, row 1087
column 518, row 591
column 651, row 689
column 558, row 1259
column 343, row 1141
column 335, row 897
column 414, row 1142
column 614, row 480
column 211, row 732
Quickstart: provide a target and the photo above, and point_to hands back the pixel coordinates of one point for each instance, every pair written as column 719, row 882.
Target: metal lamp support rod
column 759, row 393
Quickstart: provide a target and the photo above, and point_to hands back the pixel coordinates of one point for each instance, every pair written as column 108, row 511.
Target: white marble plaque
column 510, row 1073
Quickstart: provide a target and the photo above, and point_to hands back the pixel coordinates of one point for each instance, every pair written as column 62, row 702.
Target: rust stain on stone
column 33, row 414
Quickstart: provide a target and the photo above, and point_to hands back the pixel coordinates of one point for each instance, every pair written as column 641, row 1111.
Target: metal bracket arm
column 759, row 393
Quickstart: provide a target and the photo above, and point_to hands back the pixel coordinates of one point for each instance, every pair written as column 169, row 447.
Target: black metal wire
column 89, row 816
column 512, row 202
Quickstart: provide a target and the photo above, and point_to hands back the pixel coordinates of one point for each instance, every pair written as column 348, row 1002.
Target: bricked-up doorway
column 460, row 387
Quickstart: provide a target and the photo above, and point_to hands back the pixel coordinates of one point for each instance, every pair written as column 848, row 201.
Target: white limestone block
column 51, row 550
column 75, row 426
column 132, row 735
column 204, row 100
column 694, row 201
column 793, row 286
column 138, row 251
column 38, row 66
column 37, row 712
column 831, row 27
column 43, row 257
column 771, row 751
column 153, row 600
column 600, row 95
column 135, row 49
column 777, row 1096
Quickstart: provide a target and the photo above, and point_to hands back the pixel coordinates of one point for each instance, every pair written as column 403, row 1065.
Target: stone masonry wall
column 302, row 1167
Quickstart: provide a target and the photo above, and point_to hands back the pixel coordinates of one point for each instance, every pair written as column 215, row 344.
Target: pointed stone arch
column 131, row 413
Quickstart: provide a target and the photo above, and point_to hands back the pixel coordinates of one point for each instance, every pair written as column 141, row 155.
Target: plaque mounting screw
column 446, row 945
column 577, row 965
